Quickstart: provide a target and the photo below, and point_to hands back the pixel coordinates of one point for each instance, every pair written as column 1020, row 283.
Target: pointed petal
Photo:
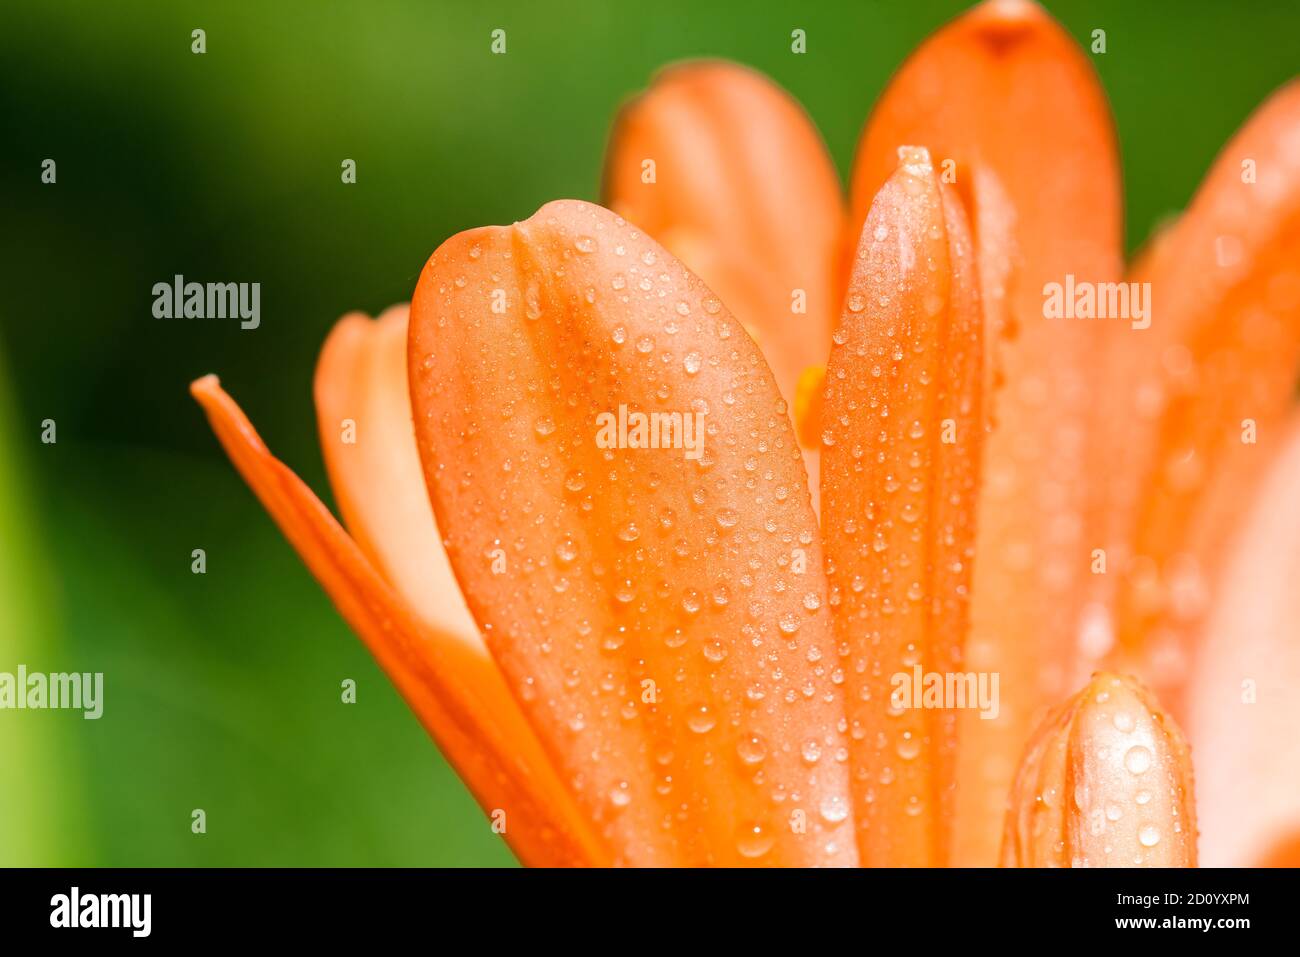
column 1106, row 782
column 745, row 194
column 903, row 433
column 442, row 679
column 1211, row 383
column 363, row 411
column 1242, row 707
column 1005, row 96
column 658, row 613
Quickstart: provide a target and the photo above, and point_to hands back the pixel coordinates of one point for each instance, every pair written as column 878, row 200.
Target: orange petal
column 1242, row 706
column 658, row 614
column 363, row 411
column 1008, row 104
column 439, row 675
column 903, row 433
column 363, row 408
column 1212, row 383
column 1106, row 782
column 745, row 194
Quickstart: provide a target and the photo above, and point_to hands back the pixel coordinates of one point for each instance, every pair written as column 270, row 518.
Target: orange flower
column 652, row 620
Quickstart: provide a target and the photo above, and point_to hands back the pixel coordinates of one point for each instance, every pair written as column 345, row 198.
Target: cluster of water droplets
column 879, row 495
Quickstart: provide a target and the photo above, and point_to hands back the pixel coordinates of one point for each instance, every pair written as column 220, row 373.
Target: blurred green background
column 222, row 690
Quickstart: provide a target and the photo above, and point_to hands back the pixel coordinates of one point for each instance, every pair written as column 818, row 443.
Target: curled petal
column 651, row 588
column 363, row 411
column 1106, row 782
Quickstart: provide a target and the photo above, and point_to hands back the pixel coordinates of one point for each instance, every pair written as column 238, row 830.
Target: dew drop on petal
column 834, row 808
column 751, row 748
column 701, row 719
column 1137, row 760
column 754, row 840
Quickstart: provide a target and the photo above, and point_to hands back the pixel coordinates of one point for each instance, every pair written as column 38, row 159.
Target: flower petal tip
column 1106, row 782
column 204, row 386
column 914, row 156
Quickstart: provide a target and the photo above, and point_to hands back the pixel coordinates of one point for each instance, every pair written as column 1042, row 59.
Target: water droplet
column 751, row 748
column 908, row 746
column 701, row 720
column 834, row 808
column 1137, row 760
column 1149, row 836
column 754, row 840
